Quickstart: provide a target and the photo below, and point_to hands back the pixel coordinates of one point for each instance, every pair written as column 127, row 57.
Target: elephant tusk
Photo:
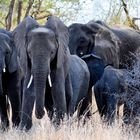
column 4, row 70
column 49, row 79
column 31, row 79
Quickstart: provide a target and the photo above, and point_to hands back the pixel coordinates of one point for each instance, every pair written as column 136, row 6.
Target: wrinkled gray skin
column 79, row 75
column 114, row 45
column 43, row 51
column 9, row 80
column 110, row 92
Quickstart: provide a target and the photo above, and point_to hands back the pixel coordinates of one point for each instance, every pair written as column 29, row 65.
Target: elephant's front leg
column 111, row 108
column 14, row 97
column 69, row 94
column 3, row 112
column 27, row 106
column 49, row 101
column 59, row 97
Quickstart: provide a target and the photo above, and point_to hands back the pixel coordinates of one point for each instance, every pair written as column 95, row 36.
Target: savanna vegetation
column 12, row 12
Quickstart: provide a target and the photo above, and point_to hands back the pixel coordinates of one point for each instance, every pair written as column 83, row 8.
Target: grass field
column 94, row 129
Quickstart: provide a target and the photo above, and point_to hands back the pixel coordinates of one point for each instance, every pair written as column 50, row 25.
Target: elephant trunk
column 39, row 88
column 40, row 71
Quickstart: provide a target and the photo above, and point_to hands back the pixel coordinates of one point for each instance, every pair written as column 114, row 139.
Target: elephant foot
column 25, row 124
column 16, row 122
column 5, row 125
column 39, row 114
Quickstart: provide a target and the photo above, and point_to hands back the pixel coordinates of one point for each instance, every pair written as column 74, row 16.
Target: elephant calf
column 110, row 91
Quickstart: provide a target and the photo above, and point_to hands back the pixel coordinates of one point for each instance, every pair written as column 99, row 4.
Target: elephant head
column 82, row 38
column 94, row 38
column 8, row 55
column 43, row 45
column 106, row 46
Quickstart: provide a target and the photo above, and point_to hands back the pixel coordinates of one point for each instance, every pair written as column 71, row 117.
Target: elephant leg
column 69, row 94
column 111, row 108
column 21, row 89
column 85, row 108
column 100, row 99
column 3, row 112
column 127, row 113
column 14, row 97
column 59, row 98
column 27, row 107
column 49, row 101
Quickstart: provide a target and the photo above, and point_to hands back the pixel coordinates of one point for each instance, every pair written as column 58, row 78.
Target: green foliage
column 40, row 10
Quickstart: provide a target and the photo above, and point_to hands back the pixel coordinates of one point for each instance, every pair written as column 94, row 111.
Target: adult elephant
column 9, row 80
column 111, row 92
column 46, row 62
column 115, row 46
column 118, row 51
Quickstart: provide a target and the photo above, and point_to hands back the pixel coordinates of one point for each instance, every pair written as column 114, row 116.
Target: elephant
column 80, row 77
column 96, row 68
column 9, row 80
column 116, row 46
column 110, row 92
column 48, row 71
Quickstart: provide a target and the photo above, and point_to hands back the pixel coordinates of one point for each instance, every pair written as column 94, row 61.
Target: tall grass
column 94, row 129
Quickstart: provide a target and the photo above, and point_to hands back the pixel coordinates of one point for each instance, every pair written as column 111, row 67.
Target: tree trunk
column 131, row 22
column 30, row 3
column 20, row 2
column 8, row 19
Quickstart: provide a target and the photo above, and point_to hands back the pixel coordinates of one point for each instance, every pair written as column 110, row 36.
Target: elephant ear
column 20, row 38
column 12, row 63
column 107, row 47
column 62, row 37
column 20, row 32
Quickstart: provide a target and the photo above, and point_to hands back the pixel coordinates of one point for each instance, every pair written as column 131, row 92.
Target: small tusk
column 49, row 79
column 4, row 70
column 31, row 79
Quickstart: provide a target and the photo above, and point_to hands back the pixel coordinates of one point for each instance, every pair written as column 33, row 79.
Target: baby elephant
column 110, row 91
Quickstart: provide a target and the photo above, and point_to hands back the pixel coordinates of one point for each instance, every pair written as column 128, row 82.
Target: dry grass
column 93, row 129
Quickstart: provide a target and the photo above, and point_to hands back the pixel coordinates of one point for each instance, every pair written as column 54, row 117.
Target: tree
column 13, row 11
column 124, row 12
column 131, row 21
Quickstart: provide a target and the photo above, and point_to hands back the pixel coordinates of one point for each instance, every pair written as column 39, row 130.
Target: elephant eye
column 7, row 52
column 52, row 52
column 29, row 53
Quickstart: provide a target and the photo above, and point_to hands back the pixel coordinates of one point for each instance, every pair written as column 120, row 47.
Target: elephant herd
column 53, row 67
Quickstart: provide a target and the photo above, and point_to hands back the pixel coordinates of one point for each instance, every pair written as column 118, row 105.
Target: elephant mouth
column 31, row 80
